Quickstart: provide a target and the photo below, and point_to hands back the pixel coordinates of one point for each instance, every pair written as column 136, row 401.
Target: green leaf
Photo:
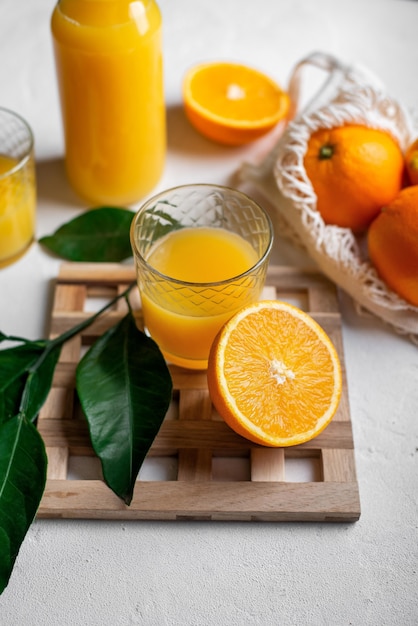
column 25, row 378
column 26, row 371
column 124, row 387
column 39, row 381
column 15, row 364
column 97, row 235
column 23, row 464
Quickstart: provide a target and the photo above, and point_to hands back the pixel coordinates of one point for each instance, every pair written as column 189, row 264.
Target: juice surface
column 17, row 208
column 185, row 320
column 109, row 65
column 202, row 255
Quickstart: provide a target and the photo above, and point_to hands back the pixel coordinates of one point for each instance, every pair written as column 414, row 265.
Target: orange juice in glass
column 201, row 253
column 108, row 56
column 17, row 187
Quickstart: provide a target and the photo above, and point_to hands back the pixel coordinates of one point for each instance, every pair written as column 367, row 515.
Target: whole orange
column 354, row 171
column 393, row 244
column 411, row 162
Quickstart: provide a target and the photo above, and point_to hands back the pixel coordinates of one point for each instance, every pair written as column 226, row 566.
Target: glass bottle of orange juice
column 108, row 56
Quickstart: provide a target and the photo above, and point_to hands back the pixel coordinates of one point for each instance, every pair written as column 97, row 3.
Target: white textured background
column 117, row 574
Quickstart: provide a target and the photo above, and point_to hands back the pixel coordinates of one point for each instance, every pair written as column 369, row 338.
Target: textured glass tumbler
column 17, row 187
column 184, row 316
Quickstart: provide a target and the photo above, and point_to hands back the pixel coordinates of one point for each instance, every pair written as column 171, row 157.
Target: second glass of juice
column 17, row 187
column 201, row 254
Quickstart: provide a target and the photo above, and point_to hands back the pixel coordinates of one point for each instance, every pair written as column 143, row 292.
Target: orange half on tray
column 274, row 374
column 231, row 103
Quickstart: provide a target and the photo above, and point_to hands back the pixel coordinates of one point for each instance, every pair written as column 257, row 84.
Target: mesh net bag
column 349, row 95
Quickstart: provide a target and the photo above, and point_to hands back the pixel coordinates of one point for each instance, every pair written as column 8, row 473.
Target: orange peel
column 274, row 375
column 231, row 103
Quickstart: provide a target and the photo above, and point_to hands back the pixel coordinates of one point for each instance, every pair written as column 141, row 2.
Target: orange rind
column 274, row 375
column 231, row 103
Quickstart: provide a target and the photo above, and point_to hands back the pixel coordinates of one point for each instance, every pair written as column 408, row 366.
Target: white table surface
column 155, row 573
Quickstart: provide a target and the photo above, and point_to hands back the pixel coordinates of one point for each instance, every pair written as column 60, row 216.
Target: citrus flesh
column 274, row 374
column 231, row 103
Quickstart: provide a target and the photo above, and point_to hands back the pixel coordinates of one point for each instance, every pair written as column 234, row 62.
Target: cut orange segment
column 274, row 374
column 231, row 103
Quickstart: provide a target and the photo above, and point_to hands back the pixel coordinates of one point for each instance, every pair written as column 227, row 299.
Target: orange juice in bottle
column 108, row 57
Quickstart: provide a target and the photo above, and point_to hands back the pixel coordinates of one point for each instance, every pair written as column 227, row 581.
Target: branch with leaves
column 123, row 383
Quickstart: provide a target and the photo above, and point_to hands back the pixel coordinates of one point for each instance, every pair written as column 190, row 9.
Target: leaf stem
column 38, row 342
column 53, row 344
column 69, row 334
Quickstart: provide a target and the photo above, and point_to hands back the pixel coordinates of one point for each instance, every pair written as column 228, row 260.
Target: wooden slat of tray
column 192, row 433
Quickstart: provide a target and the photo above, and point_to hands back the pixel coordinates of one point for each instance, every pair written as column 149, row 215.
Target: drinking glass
column 17, row 187
column 184, row 316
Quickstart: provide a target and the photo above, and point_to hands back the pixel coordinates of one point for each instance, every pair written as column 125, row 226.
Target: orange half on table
column 274, row 375
column 231, row 103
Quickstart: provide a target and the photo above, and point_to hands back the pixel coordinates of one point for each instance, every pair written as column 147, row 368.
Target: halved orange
column 274, row 374
column 231, row 103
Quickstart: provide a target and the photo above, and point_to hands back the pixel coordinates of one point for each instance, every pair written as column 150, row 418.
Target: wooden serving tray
column 193, row 438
